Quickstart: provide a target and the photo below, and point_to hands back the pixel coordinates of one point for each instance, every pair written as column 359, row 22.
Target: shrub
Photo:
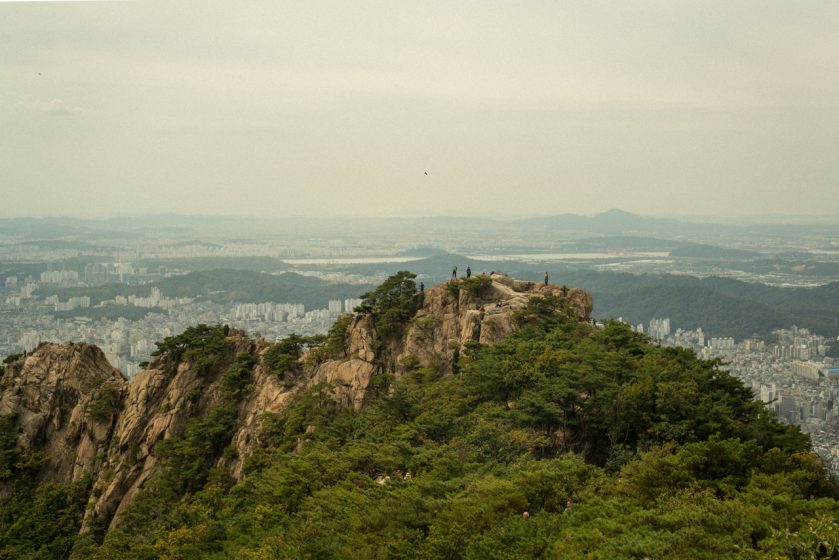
column 333, row 345
column 409, row 362
column 12, row 358
column 196, row 344
column 453, row 286
column 476, row 285
column 284, row 357
column 105, row 403
column 234, row 382
column 392, row 304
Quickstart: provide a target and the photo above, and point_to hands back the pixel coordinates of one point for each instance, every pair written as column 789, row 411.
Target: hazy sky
column 338, row 108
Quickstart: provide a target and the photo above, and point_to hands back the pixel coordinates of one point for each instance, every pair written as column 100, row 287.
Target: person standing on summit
column 546, row 278
column 454, row 273
column 468, row 272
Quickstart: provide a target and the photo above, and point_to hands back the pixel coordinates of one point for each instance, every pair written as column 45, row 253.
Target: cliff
column 228, row 447
column 65, row 399
column 70, row 405
column 448, row 317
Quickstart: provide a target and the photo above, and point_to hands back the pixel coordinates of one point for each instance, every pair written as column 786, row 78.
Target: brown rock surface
column 50, row 390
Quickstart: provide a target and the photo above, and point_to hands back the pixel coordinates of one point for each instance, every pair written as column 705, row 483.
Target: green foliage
column 453, row 287
column 444, row 466
column 42, row 522
column 12, row 358
column 283, row 359
column 476, row 285
column 16, row 464
column 615, row 449
column 8, row 445
column 334, row 345
column 409, row 362
column 611, row 387
column 234, row 382
column 36, row 520
column 189, row 457
column 201, row 345
column 105, row 402
column 392, row 304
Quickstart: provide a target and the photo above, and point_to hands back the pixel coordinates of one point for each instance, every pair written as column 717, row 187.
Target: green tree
column 392, row 304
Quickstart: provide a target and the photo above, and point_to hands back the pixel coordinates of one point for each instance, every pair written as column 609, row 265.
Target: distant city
column 27, row 320
column 792, row 373
column 723, row 290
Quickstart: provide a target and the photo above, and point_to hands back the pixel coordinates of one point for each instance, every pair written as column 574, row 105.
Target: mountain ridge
column 480, row 418
column 157, row 404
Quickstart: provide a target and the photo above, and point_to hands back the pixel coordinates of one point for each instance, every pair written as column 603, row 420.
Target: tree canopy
column 562, row 441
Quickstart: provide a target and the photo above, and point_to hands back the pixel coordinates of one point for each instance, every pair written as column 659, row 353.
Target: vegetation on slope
column 614, row 449
column 563, row 441
column 721, row 306
column 392, row 305
column 36, row 520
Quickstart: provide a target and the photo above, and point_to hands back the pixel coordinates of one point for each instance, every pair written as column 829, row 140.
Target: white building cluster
column 659, row 328
column 75, row 302
column 721, row 344
column 60, row 277
column 269, row 311
column 350, row 304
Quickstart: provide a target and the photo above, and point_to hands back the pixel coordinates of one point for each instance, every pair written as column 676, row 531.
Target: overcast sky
column 339, row 108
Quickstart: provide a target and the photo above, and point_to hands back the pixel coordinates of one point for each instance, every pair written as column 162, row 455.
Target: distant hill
column 702, row 251
column 731, row 307
column 258, row 264
column 226, row 286
column 613, row 221
column 722, row 306
column 718, row 314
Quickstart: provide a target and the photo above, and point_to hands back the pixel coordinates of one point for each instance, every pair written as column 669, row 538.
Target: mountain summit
column 77, row 412
column 482, row 417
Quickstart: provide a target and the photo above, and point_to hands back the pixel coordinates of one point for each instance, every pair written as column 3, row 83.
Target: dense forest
column 562, row 441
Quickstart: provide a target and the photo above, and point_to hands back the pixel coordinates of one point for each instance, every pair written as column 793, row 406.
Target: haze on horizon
column 335, row 108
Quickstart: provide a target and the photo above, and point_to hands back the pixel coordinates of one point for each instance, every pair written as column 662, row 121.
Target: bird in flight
column 426, row 172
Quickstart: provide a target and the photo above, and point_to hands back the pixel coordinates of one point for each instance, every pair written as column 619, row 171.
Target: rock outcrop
column 447, row 319
column 65, row 398
column 157, row 405
column 77, row 410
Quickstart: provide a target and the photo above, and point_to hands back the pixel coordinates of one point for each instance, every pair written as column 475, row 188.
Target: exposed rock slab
column 51, row 390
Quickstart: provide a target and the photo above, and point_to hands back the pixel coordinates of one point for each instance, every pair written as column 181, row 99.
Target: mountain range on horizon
column 612, row 220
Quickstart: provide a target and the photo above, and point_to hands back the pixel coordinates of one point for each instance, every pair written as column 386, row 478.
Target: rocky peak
column 450, row 315
column 70, row 405
column 65, row 398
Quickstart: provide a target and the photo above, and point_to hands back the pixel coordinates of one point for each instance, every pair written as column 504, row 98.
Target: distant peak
column 617, row 212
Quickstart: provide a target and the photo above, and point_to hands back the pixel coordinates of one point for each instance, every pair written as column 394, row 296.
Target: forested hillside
column 721, row 306
column 561, row 441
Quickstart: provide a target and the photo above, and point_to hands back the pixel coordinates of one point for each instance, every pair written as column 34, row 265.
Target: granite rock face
column 65, row 399
column 70, row 405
